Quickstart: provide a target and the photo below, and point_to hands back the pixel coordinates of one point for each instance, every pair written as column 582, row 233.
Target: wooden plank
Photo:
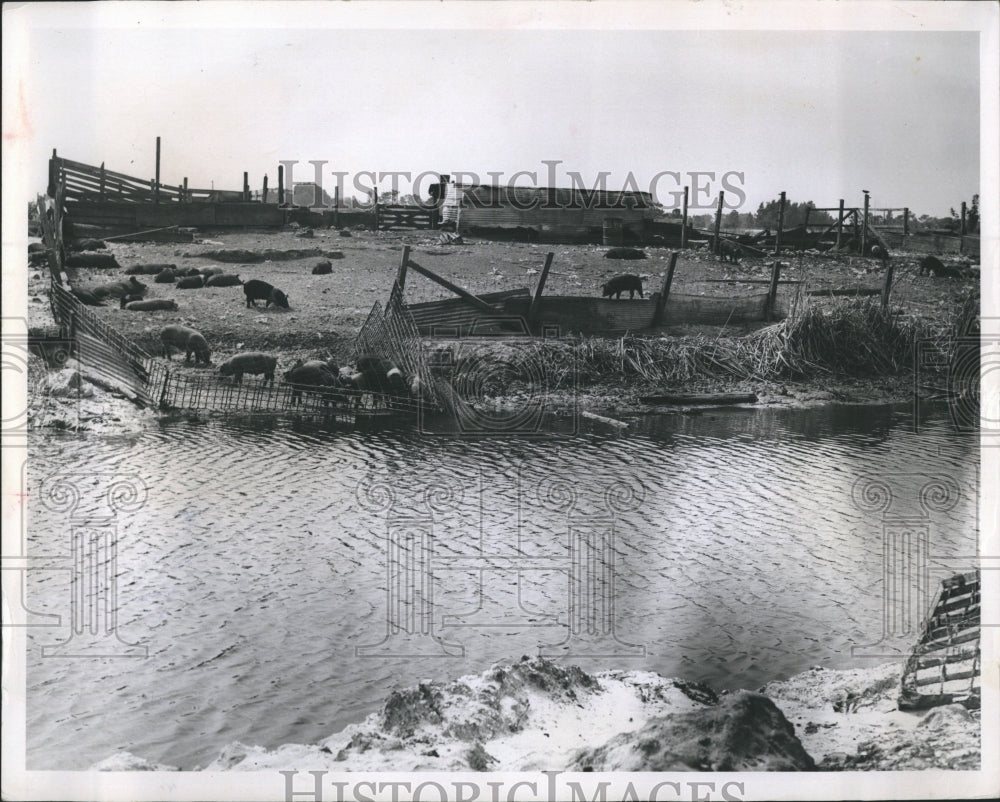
column 403, row 264
column 467, row 296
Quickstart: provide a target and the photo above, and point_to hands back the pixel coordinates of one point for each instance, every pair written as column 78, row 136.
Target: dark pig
column 257, row 290
column 931, row 265
column 252, row 362
column 620, row 284
column 730, row 251
column 86, row 297
column 312, row 378
column 223, row 280
column 190, row 283
column 165, row 277
column 152, row 305
column 322, row 268
column 187, row 340
column 148, row 269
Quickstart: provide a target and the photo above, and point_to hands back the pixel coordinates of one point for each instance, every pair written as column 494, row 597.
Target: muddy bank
column 535, row 714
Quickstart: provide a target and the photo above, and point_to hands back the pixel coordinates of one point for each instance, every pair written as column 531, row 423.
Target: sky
column 819, row 114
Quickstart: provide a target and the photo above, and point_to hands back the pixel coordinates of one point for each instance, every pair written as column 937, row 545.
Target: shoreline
column 535, row 715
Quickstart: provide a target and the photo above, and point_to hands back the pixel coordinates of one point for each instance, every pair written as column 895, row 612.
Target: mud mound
column 746, row 732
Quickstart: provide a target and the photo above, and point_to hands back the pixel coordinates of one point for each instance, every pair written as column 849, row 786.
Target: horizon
column 818, row 114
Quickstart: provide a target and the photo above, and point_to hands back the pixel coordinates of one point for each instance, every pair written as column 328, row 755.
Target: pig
column 880, row 253
column 730, row 251
column 257, row 290
column 931, row 265
column 322, row 268
column 191, row 271
column 86, row 297
column 312, row 378
column 619, row 284
column 188, row 340
column 209, row 271
column 152, row 305
column 149, row 269
column 191, row 283
column 119, row 289
column 252, row 362
column 223, row 280
column 165, row 277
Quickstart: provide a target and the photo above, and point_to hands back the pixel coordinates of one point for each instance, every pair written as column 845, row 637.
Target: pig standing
column 257, row 290
column 620, row 284
column 312, row 377
column 187, row 340
column 252, row 362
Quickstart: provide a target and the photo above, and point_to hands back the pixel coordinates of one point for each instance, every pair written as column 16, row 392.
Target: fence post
column 781, row 223
column 864, row 225
column 263, row 192
column 718, row 222
column 537, row 298
column 53, row 173
column 964, row 230
column 661, row 302
column 906, row 224
column 246, row 187
column 103, row 181
column 887, row 286
column 281, row 185
column 186, row 198
column 404, row 262
column 684, row 220
column 156, row 189
column 772, row 293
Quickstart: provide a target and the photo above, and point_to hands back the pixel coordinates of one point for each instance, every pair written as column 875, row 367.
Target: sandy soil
column 327, row 311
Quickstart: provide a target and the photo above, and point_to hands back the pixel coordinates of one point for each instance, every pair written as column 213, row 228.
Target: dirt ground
column 327, row 311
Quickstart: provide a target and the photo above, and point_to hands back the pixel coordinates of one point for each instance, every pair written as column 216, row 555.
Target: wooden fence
column 945, row 666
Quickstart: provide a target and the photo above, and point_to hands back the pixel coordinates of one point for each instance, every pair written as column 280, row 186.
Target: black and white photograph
column 500, row 401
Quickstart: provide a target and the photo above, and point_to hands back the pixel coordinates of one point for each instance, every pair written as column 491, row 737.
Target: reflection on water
column 283, row 578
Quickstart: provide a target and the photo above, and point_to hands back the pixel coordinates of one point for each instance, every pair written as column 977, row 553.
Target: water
column 257, row 563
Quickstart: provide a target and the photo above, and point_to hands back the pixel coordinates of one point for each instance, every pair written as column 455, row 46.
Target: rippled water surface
column 283, row 578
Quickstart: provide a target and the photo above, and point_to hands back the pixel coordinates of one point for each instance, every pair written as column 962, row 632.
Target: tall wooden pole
column 156, row 191
column 864, row 225
column 246, row 187
column 964, row 230
column 781, row 223
column 281, row 185
column 185, row 196
column 684, row 220
column 887, row 286
column 718, row 223
column 772, row 293
column 840, row 223
column 906, row 224
column 263, row 192
column 103, row 181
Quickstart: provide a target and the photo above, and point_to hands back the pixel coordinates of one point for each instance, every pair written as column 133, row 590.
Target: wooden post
column 887, row 286
column 684, row 220
column 772, row 293
column 781, row 223
column 404, row 262
column 718, row 223
column 537, row 297
column 53, row 174
column 186, row 196
column 963, row 230
column 281, row 185
column 661, row 302
column 336, row 206
column 840, row 223
column 156, row 190
column 479, row 303
column 805, row 222
column 906, row 224
column 375, row 198
column 246, row 187
column 864, row 226
column 263, row 192
column 103, row 181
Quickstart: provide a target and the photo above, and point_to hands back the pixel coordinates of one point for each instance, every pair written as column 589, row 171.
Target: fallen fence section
column 945, row 666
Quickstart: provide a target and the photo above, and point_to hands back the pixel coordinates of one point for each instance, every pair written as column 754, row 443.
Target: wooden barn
column 549, row 215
